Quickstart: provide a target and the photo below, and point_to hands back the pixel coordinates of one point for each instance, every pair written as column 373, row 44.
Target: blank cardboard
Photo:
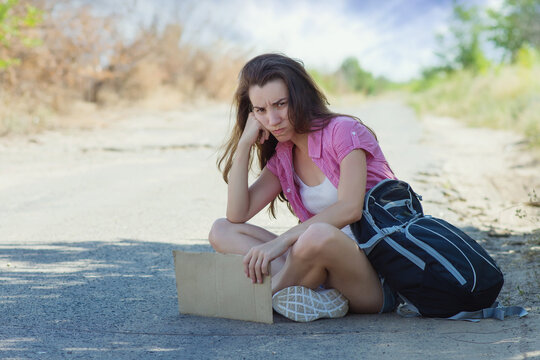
column 211, row 284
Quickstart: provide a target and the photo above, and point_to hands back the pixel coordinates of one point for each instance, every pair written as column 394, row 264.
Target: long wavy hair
column 307, row 108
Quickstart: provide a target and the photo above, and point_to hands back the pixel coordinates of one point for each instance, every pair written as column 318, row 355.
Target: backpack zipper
column 396, row 203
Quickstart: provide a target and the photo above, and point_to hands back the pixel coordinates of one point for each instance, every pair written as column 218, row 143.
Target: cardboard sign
column 211, row 284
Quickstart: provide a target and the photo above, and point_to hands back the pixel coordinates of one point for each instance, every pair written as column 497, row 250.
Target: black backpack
column 434, row 267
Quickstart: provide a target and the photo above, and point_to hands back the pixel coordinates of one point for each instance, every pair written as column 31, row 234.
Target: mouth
column 278, row 131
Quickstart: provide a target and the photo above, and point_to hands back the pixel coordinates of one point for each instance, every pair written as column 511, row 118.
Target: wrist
column 244, row 145
column 286, row 240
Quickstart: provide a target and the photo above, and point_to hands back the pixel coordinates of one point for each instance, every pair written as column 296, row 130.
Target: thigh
column 261, row 235
column 256, row 232
column 232, row 238
column 350, row 271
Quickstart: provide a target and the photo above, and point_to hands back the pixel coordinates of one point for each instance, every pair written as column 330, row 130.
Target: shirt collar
column 315, row 144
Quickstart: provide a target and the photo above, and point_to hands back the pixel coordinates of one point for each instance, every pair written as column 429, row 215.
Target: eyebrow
column 274, row 103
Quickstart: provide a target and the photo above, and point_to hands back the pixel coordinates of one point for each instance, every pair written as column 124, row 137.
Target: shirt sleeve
column 271, row 165
column 349, row 135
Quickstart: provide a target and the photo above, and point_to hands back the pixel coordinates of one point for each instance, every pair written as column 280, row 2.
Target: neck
column 300, row 141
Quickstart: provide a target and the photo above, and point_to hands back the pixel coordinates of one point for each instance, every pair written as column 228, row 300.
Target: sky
column 391, row 38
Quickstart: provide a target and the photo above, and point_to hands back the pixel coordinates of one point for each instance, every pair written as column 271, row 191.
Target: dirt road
column 88, row 220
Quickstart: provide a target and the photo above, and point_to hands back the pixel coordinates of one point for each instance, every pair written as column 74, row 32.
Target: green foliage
column 5, row 63
column 515, row 26
column 350, row 78
column 11, row 29
column 360, row 80
column 430, row 77
column 527, row 56
column 467, row 31
column 466, row 86
column 355, row 77
column 326, row 82
column 515, row 29
column 461, row 48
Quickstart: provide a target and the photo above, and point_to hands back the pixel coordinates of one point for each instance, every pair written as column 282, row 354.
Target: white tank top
column 319, row 197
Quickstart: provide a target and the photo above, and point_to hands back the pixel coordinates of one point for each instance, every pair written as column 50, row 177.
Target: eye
column 282, row 103
column 259, row 110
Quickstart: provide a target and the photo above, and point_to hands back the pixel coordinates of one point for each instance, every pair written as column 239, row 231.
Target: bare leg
column 323, row 254
column 230, row 238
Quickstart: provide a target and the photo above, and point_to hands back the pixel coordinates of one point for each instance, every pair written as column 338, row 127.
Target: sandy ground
column 88, row 220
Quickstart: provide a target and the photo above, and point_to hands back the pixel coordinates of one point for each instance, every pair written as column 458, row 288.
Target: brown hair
column 307, row 107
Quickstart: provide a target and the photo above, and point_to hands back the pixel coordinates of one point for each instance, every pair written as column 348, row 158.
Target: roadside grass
column 505, row 97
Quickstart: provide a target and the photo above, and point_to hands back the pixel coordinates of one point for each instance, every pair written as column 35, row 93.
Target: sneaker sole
column 302, row 304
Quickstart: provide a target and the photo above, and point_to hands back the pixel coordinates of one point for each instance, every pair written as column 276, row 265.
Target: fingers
column 249, row 265
column 258, row 273
column 253, row 266
column 265, row 134
column 252, row 263
column 246, row 261
column 264, row 266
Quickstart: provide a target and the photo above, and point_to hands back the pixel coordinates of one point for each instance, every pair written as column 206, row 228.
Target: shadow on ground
column 83, row 298
column 118, row 300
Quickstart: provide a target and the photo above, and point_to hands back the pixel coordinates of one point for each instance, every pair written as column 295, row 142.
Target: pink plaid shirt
column 327, row 147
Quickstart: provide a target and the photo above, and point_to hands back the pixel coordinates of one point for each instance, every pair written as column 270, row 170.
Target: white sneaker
column 302, row 304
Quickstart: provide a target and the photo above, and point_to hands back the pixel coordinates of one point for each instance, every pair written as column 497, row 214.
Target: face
column 270, row 107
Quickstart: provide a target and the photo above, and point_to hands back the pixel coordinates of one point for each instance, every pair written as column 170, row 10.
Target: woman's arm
column 244, row 202
column 347, row 209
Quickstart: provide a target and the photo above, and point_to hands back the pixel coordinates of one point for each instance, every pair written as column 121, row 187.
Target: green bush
column 12, row 25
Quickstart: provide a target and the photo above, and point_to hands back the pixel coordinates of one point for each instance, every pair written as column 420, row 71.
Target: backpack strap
column 406, row 308
column 381, row 234
column 375, row 239
column 496, row 311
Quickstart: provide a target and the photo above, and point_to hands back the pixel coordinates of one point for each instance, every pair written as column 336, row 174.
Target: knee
column 314, row 242
column 218, row 233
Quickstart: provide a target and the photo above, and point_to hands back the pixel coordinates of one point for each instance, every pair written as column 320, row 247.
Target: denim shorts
column 390, row 299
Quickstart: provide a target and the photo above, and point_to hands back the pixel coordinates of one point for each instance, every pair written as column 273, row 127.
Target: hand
column 254, row 131
column 258, row 257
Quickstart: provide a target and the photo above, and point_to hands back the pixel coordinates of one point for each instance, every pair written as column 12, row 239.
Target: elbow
column 354, row 213
column 235, row 215
column 355, row 217
column 235, row 221
column 235, row 218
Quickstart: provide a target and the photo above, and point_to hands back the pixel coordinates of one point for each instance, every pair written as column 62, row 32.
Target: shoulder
column 346, row 128
column 342, row 124
column 341, row 121
column 344, row 134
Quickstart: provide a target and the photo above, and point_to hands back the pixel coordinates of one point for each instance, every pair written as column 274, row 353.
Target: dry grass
column 84, row 64
column 507, row 97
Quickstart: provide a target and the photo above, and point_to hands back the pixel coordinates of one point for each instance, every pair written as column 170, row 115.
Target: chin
column 283, row 138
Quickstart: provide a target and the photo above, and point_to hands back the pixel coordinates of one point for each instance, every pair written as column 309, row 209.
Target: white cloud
column 322, row 34
column 394, row 38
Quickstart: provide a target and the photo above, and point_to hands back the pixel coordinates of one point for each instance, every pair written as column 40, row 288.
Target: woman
column 321, row 163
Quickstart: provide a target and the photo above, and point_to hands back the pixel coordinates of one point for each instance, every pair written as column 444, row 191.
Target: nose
column 273, row 118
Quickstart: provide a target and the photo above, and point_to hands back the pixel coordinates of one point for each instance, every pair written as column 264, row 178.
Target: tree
column 461, row 48
column 516, row 25
column 356, row 78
